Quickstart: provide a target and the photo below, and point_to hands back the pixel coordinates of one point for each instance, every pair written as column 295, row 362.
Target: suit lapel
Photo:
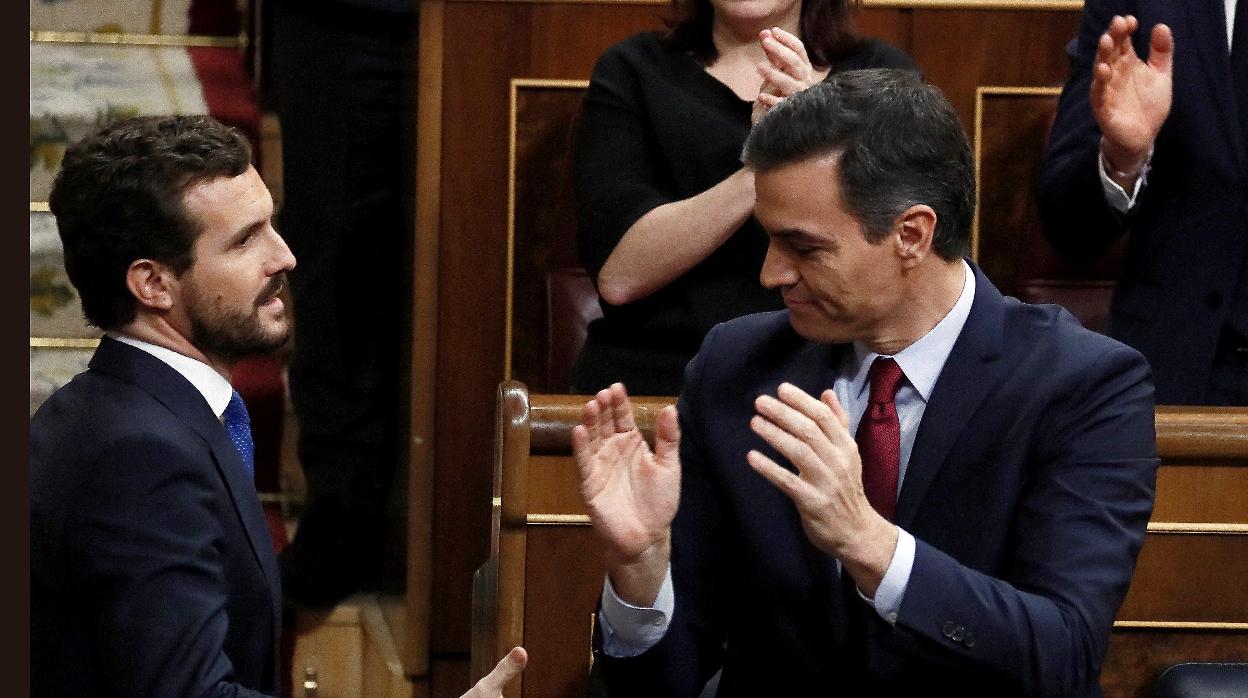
column 815, row 367
column 815, row 370
column 181, row 398
column 967, row 377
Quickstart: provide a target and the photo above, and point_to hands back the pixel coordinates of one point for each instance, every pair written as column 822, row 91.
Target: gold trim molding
column 1182, row 528
column 40, row 207
column 1040, row 5
column 64, row 342
column 187, row 40
column 558, row 520
column 1049, row 5
column 1179, row 625
column 977, row 139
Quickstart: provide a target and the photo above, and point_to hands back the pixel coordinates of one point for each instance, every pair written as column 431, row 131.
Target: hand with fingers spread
column 631, row 492
column 508, row 668
column 1131, row 98
column 827, row 489
column 786, row 71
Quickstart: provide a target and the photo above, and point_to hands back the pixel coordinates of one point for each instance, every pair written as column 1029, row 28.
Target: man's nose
column 777, row 270
column 283, row 259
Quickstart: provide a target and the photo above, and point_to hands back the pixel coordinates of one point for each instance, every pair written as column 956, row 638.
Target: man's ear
column 152, row 284
column 914, row 229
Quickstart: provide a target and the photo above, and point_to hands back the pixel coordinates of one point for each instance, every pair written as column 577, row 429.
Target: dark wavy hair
column 826, row 28
column 118, row 198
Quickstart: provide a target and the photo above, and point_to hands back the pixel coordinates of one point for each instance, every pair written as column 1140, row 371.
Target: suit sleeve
column 1077, row 530
column 692, row 648
column 152, row 564
column 618, row 179
column 1077, row 219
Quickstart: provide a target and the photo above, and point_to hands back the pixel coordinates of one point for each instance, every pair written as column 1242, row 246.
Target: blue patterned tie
column 238, row 425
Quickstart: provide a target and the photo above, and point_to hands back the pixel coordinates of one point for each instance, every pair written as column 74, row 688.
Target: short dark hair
column 899, row 143
column 118, row 198
column 826, row 28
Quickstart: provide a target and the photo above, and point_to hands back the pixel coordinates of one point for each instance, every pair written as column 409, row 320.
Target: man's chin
column 820, row 330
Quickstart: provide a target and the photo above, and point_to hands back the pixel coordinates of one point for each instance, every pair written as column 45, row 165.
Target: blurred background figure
column 665, row 227
column 340, row 70
column 1151, row 141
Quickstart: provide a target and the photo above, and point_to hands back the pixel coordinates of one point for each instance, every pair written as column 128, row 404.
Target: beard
column 232, row 334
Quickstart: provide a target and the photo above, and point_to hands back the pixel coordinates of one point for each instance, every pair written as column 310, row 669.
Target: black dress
column 658, row 128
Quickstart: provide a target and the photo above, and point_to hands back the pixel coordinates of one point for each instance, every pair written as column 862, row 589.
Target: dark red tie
column 879, row 436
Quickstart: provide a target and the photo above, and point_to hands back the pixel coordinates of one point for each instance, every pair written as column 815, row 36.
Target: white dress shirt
column 1118, row 197
column 629, row 630
column 215, row 388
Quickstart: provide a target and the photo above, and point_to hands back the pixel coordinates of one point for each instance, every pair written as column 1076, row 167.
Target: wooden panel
column 1010, row 132
column 553, row 486
column 415, row 648
column 891, row 25
column 449, row 677
column 330, row 645
column 559, row 608
column 1208, row 493
column 542, row 215
column 1190, row 578
column 1136, row 658
column 962, row 50
column 485, row 45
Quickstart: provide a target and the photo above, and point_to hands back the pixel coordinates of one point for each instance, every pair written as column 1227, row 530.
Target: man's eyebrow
column 247, row 231
column 798, row 236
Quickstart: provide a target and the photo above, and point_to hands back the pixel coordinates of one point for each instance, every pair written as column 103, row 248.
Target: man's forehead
column 215, row 193
column 813, row 171
column 223, row 206
column 806, row 183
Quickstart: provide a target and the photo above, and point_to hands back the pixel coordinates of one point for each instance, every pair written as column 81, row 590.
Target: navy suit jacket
column 1188, row 233
column 152, row 570
column 1028, row 490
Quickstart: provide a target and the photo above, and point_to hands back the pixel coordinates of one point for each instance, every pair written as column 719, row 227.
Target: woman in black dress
column 665, row 225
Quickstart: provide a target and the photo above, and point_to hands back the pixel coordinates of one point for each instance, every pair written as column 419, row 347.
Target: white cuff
column 892, row 589
column 1115, row 195
column 629, row 630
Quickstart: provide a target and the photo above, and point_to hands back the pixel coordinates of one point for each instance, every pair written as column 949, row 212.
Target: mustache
column 272, row 288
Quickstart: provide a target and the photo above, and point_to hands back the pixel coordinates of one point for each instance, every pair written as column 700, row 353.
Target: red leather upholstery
column 571, row 303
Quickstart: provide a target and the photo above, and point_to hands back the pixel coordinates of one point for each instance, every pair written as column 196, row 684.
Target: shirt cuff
column 892, row 589
column 629, row 630
column 1115, row 195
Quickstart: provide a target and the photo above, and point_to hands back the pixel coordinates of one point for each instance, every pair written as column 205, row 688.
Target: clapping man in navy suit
column 903, row 484
column 152, row 570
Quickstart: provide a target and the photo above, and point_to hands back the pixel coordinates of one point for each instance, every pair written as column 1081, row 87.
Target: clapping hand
column 1131, row 98
column 631, row 492
column 786, row 71
column 813, row 434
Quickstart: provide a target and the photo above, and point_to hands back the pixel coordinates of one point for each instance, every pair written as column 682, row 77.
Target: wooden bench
column 541, row 584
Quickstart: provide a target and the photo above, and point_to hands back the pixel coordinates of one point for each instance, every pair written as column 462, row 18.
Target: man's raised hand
column 631, row 492
column 1131, row 98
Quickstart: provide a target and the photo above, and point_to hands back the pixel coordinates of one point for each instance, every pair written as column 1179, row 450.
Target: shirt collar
column 922, row 361
column 215, row 389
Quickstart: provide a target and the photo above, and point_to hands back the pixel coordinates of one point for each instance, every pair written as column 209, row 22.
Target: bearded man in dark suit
column 152, row 570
